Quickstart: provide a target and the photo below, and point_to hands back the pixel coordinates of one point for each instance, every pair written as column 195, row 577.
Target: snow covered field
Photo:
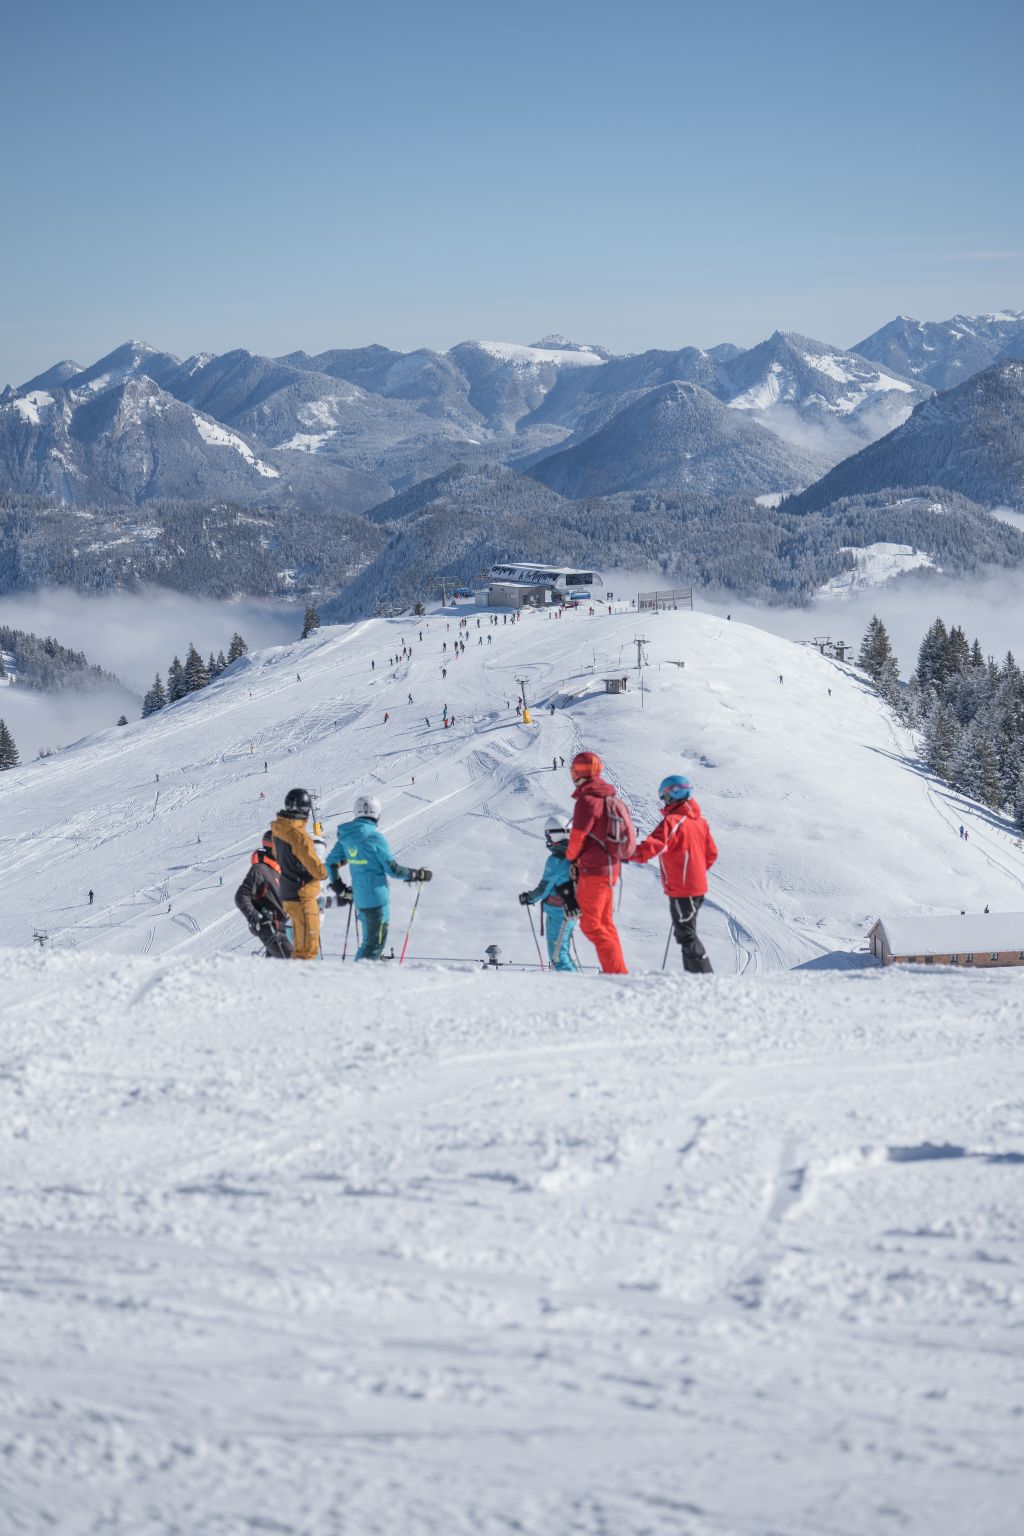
column 313, row 1249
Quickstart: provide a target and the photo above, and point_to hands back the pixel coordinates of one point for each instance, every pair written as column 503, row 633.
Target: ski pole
column 412, row 919
column 668, row 941
column 533, row 930
column 348, row 925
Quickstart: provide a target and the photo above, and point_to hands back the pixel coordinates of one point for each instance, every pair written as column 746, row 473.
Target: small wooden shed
column 616, row 684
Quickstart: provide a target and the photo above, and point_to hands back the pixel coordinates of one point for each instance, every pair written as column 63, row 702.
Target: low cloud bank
column 132, row 634
column 989, row 607
column 135, row 634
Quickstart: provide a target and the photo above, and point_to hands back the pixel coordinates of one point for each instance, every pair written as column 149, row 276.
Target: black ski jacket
column 258, row 898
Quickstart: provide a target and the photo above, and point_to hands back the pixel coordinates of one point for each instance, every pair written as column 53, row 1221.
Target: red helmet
column 585, row 765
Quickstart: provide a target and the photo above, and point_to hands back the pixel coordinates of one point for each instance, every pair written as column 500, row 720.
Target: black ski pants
column 684, row 911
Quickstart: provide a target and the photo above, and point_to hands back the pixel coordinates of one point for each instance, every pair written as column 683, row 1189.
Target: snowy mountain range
column 346, row 428
column 943, row 353
column 969, row 438
column 165, row 463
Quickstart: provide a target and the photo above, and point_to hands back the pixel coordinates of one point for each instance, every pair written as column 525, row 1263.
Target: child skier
column 558, row 899
column 685, row 850
column 301, row 871
column 258, row 898
column 364, row 848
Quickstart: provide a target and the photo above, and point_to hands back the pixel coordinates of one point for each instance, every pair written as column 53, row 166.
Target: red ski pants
column 595, row 897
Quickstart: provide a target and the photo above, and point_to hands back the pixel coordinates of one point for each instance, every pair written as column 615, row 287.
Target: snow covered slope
column 823, row 819
column 314, row 1250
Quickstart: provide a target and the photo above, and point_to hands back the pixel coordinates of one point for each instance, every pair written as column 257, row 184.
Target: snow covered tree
column 155, row 699
column 3, row 669
column 942, row 739
column 211, row 666
column 310, row 622
column 222, row 662
column 931, row 658
column 888, row 683
column 122, row 720
column 1013, row 774
column 237, row 648
column 913, row 703
column 175, row 681
column 875, row 649
column 8, row 751
column 196, row 675
column 974, row 769
column 958, row 652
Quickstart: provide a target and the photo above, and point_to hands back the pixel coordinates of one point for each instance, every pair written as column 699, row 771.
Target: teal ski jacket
column 364, row 848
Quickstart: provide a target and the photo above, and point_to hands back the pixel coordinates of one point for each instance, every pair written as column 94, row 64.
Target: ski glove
column 342, row 892
column 524, row 898
column 418, row 876
column 568, row 895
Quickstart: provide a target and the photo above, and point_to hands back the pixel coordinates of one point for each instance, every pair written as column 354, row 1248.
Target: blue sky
column 204, row 176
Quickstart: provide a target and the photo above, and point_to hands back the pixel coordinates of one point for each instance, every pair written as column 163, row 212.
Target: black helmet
column 298, row 802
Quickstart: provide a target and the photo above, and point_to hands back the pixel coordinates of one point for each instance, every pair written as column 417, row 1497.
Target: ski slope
column 366, row 1251
column 823, row 818
column 369, row 1252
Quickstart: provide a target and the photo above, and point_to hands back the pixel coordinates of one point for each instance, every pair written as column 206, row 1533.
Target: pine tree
column 942, row 739
column 211, row 666
column 958, row 652
column 310, row 622
column 8, row 751
column 123, row 720
column 155, row 699
column 931, row 658
column 175, row 681
column 875, row 649
column 974, row 769
column 237, row 648
column 1013, row 774
column 196, row 675
column 913, row 704
column 222, row 662
column 3, row 669
column 888, row 683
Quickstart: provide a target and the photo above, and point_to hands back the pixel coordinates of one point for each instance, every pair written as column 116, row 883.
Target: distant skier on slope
column 685, row 850
column 301, row 871
column 258, row 898
column 555, row 891
column 602, row 836
column 364, row 848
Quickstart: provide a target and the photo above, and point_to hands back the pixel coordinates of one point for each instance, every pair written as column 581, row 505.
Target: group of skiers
column 585, row 855
column 286, row 872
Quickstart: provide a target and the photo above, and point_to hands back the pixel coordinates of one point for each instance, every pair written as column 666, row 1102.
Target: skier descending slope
column 602, row 836
column 258, row 898
column 685, row 850
column 555, row 892
column 301, row 871
column 364, row 848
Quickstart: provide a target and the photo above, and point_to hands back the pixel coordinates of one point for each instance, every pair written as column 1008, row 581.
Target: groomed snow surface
column 323, row 1249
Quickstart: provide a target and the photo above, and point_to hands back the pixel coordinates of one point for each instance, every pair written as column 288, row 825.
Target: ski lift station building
column 524, row 585
column 975, row 939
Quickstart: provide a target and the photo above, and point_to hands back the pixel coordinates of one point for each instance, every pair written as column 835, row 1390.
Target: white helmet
column 367, row 805
column 556, row 830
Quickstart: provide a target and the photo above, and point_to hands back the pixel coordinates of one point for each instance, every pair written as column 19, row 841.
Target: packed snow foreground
column 313, row 1248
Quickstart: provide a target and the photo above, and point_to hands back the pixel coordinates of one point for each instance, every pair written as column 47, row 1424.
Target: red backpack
column 620, row 838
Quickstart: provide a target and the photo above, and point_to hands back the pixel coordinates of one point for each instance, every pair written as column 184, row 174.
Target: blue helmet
column 676, row 787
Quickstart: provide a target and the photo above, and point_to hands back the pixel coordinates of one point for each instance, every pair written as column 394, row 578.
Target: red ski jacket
column 590, row 831
column 684, row 848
